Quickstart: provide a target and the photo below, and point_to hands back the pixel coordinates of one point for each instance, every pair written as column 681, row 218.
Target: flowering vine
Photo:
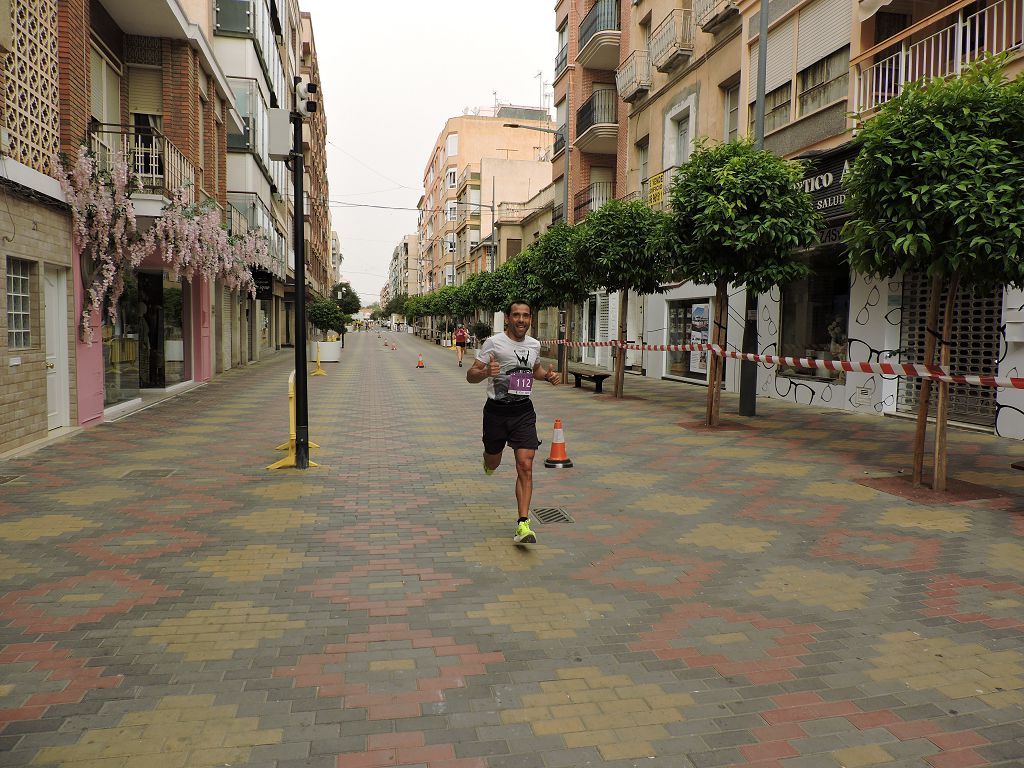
column 104, row 226
column 189, row 237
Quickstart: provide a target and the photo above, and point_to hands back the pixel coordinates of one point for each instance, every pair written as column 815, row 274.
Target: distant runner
column 461, row 337
column 509, row 362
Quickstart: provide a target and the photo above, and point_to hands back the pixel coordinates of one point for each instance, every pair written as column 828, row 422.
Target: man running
column 461, row 337
column 509, row 362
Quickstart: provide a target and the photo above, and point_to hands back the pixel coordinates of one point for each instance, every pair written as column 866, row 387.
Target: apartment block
column 453, row 169
column 314, row 147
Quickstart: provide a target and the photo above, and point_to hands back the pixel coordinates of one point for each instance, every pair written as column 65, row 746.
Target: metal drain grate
column 4, row 479
column 551, row 515
column 147, row 474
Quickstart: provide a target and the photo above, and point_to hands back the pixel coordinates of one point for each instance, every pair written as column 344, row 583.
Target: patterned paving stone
column 723, row 598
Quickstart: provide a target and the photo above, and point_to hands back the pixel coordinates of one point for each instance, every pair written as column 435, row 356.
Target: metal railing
column 601, row 107
column 603, row 17
column 942, row 52
column 562, row 60
column 237, row 225
column 673, row 39
column 633, row 77
column 158, row 165
column 705, row 11
column 592, row 198
column 557, row 213
column 559, row 144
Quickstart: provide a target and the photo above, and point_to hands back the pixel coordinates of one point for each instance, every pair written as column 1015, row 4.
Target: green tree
column 614, row 247
column 937, row 189
column 347, row 298
column 326, row 315
column 738, row 215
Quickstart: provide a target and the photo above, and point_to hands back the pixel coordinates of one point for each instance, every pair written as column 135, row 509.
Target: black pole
column 299, row 236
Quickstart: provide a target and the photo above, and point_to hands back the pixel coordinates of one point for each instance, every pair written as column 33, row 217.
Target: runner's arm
column 549, row 375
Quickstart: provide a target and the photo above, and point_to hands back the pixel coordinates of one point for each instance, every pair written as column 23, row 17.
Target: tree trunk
column 921, row 430
column 620, row 353
column 715, row 363
column 939, row 465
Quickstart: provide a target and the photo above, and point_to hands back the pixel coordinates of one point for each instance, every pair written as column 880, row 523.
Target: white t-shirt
column 516, row 358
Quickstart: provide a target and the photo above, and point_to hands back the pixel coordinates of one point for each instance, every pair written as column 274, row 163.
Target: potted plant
column 326, row 316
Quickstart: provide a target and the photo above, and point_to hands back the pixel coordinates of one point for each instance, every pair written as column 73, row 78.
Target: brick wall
column 181, row 98
column 73, row 45
column 39, row 232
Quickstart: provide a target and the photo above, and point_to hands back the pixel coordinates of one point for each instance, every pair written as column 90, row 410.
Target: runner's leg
column 524, row 480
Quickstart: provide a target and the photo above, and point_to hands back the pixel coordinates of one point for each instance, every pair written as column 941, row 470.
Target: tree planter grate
column 147, row 474
column 4, row 479
column 551, row 515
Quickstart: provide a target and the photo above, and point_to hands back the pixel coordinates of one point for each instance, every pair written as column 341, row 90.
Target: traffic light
column 305, row 93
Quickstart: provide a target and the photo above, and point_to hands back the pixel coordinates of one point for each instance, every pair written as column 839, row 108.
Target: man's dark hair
column 508, row 309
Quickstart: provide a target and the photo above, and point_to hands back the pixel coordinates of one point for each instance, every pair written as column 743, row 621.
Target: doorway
column 163, row 349
column 55, row 300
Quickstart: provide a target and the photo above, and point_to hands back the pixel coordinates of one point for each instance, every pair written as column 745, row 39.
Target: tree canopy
column 346, row 297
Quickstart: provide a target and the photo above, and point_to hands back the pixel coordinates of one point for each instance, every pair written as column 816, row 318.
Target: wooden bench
column 590, row 373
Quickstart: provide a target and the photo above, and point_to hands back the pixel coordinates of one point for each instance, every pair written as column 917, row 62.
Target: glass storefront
column 815, row 311
column 689, row 322
column 121, row 347
column 147, row 346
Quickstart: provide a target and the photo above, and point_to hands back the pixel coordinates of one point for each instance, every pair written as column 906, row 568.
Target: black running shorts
column 460, row 344
column 514, row 425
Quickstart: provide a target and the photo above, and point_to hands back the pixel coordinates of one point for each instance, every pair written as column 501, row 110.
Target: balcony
column 252, row 213
column 633, row 78
column 672, row 41
column 559, row 144
column 656, row 188
column 712, row 15
column 469, row 213
column 938, row 45
column 233, row 16
column 237, row 225
column 592, row 198
column 557, row 213
column 159, row 166
column 562, row 61
column 599, row 36
column 597, row 123
column 510, row 213
column 470, row 175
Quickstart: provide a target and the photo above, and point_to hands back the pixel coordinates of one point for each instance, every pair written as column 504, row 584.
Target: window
column 19, row 314
column 450, row 242
column 688, row 323
column 452, row 212
column 449, row 178
column 815, row 311
column 825, row 81
column 732, row 112
column 452, row 144
column 776, row 108
column 683, row 140
column 643, row 154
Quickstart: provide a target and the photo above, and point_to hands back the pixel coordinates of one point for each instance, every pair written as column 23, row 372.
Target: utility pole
column 748, row 370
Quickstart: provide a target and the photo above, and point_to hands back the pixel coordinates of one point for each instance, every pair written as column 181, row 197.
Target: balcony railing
column 633, row 78
column 158, row 165
column 562, row 60
column 559, row 139
column 937, row 46
column 672, row 41
column 603, row 17
column 467, row 212
column 557, row 213
column 601, row 107
column 510, row 212
column 469, row 174
column 710, row 15
column 592, row 198
column 237, row 225
column 233, row 16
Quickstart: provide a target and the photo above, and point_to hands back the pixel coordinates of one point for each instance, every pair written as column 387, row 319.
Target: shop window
column 19, row 309
column 689, row 322
column 815, row 312
column 824, row 82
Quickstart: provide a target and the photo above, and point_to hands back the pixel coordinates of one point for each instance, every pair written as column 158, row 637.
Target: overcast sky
column 392, row 73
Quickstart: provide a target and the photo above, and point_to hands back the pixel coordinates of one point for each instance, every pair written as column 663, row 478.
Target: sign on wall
column 823, row 181
column 264, row 284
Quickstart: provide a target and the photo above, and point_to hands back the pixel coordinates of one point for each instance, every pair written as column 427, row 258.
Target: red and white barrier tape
column 933, row 372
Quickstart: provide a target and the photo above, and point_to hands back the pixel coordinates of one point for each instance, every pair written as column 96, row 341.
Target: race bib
column 520, row 381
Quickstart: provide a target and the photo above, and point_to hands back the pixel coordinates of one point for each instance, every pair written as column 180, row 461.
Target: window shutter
column 780, row 58
column 824, row 29
column 96, row 85
column 145, row 91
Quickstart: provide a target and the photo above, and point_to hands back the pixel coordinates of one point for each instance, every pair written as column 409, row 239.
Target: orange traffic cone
column 419, row 362
column 558, row 457
column 394, row 348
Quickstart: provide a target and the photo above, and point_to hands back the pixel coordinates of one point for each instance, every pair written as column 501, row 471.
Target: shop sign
column 656, row 189
column 824, row 182
column 264, row 284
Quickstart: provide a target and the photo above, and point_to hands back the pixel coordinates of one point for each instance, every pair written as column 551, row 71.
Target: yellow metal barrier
column 289, row 460
column 318, row 371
